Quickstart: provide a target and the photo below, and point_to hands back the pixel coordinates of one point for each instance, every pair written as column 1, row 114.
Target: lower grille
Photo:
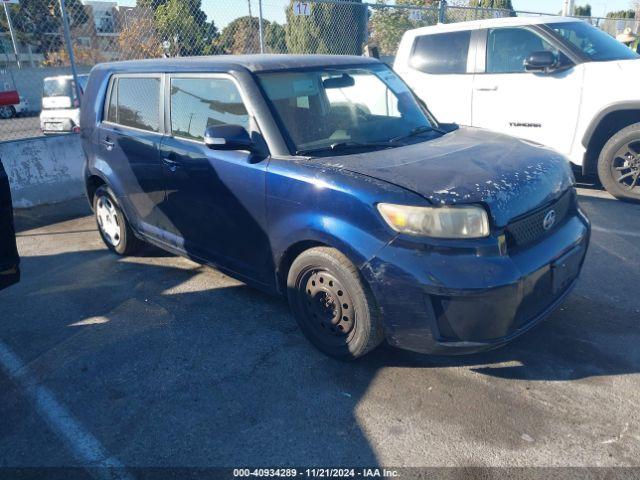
column 532, row 227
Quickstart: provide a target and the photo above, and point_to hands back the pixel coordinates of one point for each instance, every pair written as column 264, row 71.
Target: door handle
column 168, row 160
column 108, row 144
column 487, row 89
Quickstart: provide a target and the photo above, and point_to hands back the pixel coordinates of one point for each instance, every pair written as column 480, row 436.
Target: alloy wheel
column 625, row 167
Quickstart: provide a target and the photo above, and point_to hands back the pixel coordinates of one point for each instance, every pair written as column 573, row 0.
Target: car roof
column 66, row 77
column 492, row 22
column 253, row 63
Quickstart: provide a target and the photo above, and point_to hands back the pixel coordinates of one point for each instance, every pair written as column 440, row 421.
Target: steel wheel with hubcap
column 333, row 307
column 108, row 220
column 112, row 223
column 619, row 164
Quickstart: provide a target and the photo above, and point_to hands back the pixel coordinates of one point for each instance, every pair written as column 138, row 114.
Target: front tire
column 334, row 308
column 619, row 164
column 112, row 224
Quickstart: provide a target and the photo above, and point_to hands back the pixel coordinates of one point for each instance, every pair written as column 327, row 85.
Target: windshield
column 368, row 107
column 592, row 42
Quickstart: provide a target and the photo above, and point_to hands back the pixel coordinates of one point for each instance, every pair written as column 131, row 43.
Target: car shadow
column 44, row 215
column 170, row 363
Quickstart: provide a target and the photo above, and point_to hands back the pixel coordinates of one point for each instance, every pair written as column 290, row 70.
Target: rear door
column 439, row 71
column 535, row 106
column 129, row 142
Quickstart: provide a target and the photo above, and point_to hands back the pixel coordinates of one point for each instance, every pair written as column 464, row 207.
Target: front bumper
column 461, row 298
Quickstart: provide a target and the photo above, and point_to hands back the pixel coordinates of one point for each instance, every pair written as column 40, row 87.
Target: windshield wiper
column 416, row 131
column 347, row 146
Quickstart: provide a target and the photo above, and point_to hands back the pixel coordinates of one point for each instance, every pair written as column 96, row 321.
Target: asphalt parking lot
column 156, row 361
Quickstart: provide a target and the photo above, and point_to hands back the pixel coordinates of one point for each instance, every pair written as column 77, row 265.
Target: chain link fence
column 33, row 47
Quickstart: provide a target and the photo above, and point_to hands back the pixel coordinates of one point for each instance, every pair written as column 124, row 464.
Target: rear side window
column 442, row 53
column 197, row 103
column 135, row 102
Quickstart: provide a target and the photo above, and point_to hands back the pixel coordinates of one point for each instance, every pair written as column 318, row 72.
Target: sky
column 598, row 7
column 224, row 11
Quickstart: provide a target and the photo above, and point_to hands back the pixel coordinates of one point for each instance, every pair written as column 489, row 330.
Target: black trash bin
column 9, row 259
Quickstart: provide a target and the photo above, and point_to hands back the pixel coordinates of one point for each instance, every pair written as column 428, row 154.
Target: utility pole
column 260, row 25
column 13, row 34
column 567, row 8
column 442, row 11
column 67, row 39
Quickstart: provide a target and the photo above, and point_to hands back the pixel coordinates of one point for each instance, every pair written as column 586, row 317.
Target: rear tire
column 113, row 225
column 7, row 111
column 334, row 308
column 619, row 164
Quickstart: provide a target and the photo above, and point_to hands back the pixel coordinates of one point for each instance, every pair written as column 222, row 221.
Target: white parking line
column 84, row 446
column 622, row 233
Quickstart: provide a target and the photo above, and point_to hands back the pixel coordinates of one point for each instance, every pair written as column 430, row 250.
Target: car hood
column 469, row 165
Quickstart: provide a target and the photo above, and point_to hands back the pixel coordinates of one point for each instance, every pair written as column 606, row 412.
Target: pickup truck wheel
column 619, row 164
column 334, row 308
column 7, row 112
column 112, row 224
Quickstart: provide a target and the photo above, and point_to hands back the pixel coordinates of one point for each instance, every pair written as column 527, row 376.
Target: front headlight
column 468, row 221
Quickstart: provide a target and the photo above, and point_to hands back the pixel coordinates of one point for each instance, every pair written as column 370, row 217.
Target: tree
column 39, row 22
column 582, row 11
column 194, row 7
column 495, row 4
column 138, row 39
column 176, row 23
column 389, row 23
column 242, row 36
column 330, row 29
column 275, row 37
column 622, row 14
column 494, row 8
column 82, row 56
column 238, row 37
column 183, row 24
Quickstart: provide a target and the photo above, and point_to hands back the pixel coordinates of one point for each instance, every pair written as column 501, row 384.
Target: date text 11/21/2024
column 316, row 472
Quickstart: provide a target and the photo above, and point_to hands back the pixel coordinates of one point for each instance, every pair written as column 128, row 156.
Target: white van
column 60, row 104
column 556, row 81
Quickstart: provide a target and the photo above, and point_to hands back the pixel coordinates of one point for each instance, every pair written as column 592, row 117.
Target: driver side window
column 508, row 48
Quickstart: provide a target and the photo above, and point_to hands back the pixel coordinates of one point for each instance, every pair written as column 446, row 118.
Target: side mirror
column 542, row 61
column 227, row 137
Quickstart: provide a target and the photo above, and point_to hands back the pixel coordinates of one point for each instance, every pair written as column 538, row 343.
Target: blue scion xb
column 326, row 180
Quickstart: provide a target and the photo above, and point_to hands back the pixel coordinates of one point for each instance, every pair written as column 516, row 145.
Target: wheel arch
column 92, row 183
column 605, row 124
column 358, row 251
column 288, row 257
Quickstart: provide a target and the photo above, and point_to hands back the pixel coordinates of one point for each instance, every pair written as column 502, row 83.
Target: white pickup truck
column 553, row 80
